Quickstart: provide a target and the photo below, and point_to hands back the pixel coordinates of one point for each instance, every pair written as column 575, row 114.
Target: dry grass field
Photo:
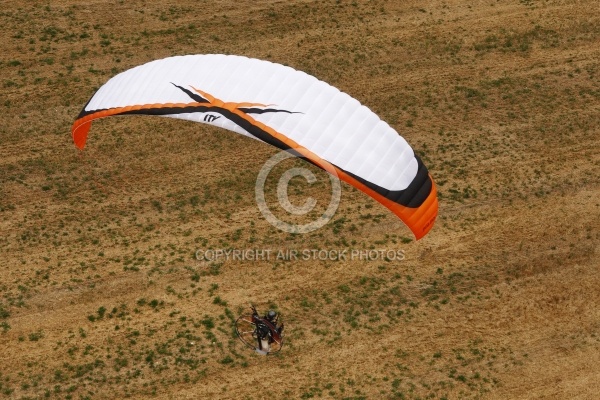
column 102, row 297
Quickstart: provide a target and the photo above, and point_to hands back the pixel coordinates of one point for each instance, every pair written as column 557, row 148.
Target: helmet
column 271, row 315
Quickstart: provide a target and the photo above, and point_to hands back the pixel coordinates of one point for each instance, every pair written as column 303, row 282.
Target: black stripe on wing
column 194, row 96
column 413, row 196
column 265, row 110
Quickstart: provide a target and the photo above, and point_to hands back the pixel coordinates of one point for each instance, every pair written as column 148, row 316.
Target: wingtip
column 429, row 215
column 79, row 132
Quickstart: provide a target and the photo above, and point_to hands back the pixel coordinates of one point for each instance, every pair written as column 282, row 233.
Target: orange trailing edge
column 419, row 219
column 82, row 125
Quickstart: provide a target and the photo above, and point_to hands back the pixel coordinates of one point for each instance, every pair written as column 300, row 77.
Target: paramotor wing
column 284, row 107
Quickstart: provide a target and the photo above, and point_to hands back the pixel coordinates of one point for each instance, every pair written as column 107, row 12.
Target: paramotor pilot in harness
column 262, row 333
